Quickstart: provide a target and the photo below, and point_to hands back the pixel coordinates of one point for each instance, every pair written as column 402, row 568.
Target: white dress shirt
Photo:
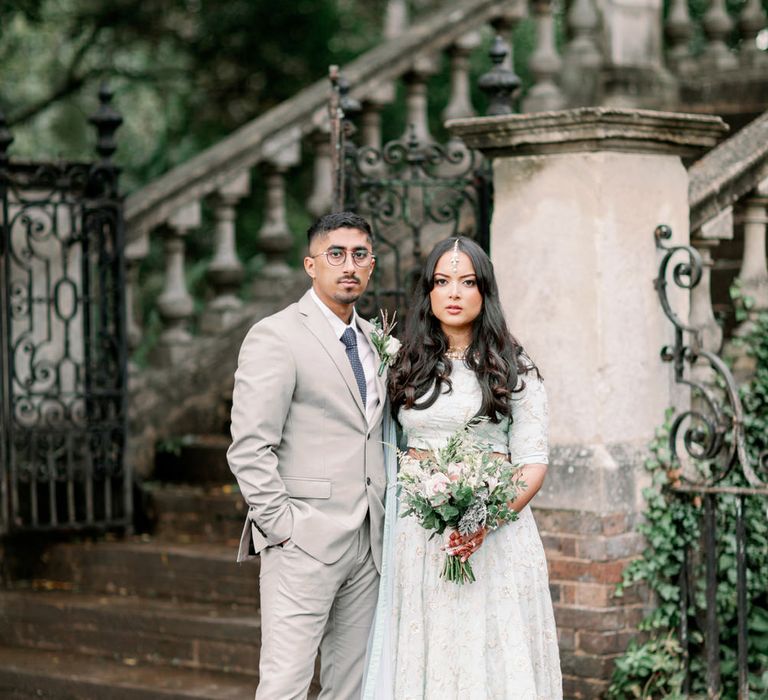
column 364, row 350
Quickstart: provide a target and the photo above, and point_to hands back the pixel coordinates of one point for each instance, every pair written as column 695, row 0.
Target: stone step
column 144, row 567
column 52, row 675
column 133, row 630
column 194, row 459
column 190, row 513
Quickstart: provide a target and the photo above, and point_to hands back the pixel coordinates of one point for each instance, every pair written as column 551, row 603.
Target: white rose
column 392, row 346
column 409, row 465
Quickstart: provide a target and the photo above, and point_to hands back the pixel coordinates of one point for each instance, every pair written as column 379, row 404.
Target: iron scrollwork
column 714, row 429
column 415, row 193
column 63, row 342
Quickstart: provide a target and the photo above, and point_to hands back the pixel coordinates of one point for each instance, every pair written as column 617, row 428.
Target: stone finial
column 499, row 83
column 6, row 138
column 107, row 121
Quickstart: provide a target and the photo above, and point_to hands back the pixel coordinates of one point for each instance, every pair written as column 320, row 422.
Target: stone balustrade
column 609, row 57
column 275, row 145
column 729, row 215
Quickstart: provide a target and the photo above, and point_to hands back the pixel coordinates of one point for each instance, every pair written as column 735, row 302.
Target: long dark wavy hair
column 422, row 370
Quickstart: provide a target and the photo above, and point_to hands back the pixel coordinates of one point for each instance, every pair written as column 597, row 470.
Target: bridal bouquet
column 460, row 486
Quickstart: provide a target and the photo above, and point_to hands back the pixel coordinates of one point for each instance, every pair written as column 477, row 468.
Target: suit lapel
column 381, row 383
column 319, row 327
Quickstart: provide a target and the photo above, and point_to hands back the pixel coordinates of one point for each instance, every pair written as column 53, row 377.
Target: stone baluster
column 275, row 238
column 370, row 125
column 701, row 313
column 370, row 129
column 545, row 95
column 135, row 252
column 582, row 57
column 416, row 100
column 460, row 103
column 751, row 21
column 395, row 18
column 225, row 271
column 679, row 30
column 320, row 199
column 175, row 303
column 753, row 275
column 717, row 25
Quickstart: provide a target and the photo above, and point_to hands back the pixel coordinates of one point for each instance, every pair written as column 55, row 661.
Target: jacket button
column 368, row 480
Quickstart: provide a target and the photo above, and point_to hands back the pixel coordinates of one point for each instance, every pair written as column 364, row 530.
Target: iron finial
column 350, row 105
column 499, row 83
column 106, row 120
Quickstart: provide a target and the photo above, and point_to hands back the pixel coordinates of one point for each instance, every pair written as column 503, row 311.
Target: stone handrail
column 728, row 172
column 268, row 134
column 728, row 194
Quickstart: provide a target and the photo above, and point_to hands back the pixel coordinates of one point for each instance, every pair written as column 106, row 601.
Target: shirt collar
column 336, row 323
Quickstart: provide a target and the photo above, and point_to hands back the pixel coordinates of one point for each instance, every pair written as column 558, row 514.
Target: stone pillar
column 578, row 195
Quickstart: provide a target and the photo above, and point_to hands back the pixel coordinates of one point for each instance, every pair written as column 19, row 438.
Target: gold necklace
column 457, row 353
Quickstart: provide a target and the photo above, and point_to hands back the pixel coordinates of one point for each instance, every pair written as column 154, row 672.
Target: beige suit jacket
column 309, row 465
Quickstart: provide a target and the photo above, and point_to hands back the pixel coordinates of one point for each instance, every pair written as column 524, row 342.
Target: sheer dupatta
column 378, row 681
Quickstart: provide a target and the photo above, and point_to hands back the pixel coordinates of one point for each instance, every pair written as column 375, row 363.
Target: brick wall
column 587, row 553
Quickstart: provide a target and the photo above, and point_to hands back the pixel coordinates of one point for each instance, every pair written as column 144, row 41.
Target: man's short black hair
column 338, row 219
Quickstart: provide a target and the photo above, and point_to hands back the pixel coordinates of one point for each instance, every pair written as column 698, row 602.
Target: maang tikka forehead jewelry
column 454, row 259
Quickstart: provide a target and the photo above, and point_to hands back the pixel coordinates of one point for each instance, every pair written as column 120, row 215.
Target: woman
column 496, row 637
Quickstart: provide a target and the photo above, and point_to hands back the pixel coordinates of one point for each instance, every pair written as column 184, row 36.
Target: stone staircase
column 166, row 614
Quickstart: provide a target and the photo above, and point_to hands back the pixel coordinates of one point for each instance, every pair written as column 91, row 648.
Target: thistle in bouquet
column 461, row 486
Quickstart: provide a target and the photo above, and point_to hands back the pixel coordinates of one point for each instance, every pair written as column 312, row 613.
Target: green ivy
column 653, row 665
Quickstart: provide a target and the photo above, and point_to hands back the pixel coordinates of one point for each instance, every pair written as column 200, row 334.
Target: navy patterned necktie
column 349, row 338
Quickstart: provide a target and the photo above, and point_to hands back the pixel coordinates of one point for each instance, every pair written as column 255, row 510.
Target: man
column 307, row 452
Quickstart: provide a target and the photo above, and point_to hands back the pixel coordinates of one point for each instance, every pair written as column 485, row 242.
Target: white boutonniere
column 385, row 344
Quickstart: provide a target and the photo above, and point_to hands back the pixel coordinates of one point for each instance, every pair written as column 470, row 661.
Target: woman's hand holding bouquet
column 462, row 487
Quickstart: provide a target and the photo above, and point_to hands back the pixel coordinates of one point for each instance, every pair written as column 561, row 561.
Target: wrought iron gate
column 707, row 445
column 63, row 342
column 414, row 192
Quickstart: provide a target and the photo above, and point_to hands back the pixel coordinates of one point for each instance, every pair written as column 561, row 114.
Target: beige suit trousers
column 306, row 604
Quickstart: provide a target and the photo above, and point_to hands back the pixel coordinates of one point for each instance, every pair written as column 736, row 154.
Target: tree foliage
column 185, row 72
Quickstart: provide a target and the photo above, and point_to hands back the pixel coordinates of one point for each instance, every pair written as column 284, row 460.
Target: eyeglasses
column 338, row 256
